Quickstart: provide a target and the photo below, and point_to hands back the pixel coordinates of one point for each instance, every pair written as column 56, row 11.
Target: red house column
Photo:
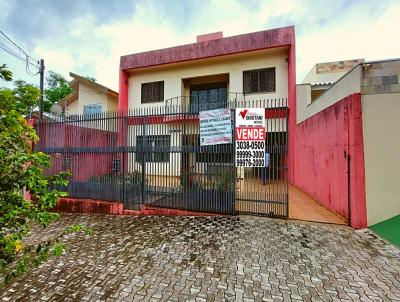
column 292, row 107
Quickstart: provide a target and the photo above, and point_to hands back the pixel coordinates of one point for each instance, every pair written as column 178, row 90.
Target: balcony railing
column 195, row 104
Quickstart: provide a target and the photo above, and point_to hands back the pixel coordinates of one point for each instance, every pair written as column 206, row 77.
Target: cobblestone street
column 239, row 258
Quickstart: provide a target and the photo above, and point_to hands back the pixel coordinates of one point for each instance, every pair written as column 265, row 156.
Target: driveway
column 239, row 258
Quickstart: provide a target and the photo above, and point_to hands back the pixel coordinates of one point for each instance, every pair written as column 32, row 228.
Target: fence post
column 234, row 157
column 124, row 143
column 143, row 156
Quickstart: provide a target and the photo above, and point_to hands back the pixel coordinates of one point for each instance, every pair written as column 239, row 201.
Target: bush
column 22, row 169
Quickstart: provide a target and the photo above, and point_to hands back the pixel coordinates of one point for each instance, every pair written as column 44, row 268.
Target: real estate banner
column 250, row 137
column 215, row 127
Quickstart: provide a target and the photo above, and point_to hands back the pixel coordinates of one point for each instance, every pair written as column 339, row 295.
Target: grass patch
column 389, row 229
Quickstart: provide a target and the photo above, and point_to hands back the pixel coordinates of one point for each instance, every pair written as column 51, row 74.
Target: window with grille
column 154, row 148
column 259, row 80
column 153, row 92
column 91, row 109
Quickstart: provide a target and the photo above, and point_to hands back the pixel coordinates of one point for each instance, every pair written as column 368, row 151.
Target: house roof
column 272, row 38
column 73, row 96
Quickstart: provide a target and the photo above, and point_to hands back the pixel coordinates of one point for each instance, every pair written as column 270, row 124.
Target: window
column 153, row 92
column 67, row 163
column 208, row 96
column 91, row 109
column 154, row 147
column 259, row 80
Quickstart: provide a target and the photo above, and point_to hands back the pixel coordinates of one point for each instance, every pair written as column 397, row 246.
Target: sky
column 88, row 37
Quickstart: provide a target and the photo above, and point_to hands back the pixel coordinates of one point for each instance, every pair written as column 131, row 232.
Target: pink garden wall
column 320, row 167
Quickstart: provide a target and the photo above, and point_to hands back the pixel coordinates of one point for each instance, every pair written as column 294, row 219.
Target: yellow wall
column 89, row 96
column 381, row 122
column 173, row 75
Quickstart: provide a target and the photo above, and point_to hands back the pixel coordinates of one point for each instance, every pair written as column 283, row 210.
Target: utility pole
column 41, row 72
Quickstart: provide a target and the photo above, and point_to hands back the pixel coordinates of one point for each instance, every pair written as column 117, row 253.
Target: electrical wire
column 18, row 47
column 14, row 53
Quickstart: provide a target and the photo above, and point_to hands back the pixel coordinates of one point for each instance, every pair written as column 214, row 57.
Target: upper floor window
column 92, row 109
column 259, row 80
column 153, row 92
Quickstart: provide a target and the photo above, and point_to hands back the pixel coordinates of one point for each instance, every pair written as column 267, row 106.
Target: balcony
column 199, row 102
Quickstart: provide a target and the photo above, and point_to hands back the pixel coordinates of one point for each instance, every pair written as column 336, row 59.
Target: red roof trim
column 242, row 43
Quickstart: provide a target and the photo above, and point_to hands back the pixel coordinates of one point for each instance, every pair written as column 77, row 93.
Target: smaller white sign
column 215, row 127
column 250, row 137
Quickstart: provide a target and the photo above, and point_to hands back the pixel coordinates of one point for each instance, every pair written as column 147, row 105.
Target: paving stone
column 239, row 258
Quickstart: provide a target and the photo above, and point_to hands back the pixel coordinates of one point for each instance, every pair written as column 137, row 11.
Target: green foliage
column 57, row 89
column 26, row 95
column 223, row 179
column 5, row 74
column 22, row 169
column 23, row 98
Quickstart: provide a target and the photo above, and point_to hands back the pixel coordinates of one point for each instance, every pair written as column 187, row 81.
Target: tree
column 5, row 74
column 26, row 95
column 23, row 97
column 22, row 168
column 57, row 89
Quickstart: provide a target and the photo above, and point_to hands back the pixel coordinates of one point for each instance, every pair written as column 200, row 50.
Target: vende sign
column 250, row 137
column 248, row 134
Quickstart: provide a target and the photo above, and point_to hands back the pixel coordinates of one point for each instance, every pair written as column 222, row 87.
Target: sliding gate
column 152, row 157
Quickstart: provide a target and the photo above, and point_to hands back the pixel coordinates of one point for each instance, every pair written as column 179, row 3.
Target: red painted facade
column 210, row 36
column 320, row 167
column 272, row 38
column 279, row 37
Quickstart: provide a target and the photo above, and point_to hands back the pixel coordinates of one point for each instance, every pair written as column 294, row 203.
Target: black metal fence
column 152, row 156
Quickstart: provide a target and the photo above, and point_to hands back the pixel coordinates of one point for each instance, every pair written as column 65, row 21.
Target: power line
column 18, row 47
column 16, row 55
column 13, row 52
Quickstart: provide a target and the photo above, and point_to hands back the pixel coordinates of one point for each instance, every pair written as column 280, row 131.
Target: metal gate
column 264, row 191
column 152, row 157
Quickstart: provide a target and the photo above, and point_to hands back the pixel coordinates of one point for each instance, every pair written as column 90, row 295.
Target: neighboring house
column 88, row 97
column 352, row 127
column 208, row 74
column 324, row 75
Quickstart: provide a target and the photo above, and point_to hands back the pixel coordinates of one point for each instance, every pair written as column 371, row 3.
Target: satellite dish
column 56, row 109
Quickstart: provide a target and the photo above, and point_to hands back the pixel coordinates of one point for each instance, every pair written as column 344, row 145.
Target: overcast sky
column 88, row 37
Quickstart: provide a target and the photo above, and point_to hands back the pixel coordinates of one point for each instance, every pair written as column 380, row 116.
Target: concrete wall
column 233, row 65
column 347, row 85
column 381, row 121
column 380, row 87
column 320, row 168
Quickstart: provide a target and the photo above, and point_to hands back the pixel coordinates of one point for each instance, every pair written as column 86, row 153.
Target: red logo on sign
column 243, row 113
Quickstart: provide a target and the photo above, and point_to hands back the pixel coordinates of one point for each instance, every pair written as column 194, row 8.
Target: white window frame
column 93, row 109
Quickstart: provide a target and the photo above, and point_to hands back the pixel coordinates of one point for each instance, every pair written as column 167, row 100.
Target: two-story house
column 212, row 73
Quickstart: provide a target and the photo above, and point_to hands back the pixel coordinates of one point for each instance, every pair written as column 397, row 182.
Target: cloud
column 88, row 37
